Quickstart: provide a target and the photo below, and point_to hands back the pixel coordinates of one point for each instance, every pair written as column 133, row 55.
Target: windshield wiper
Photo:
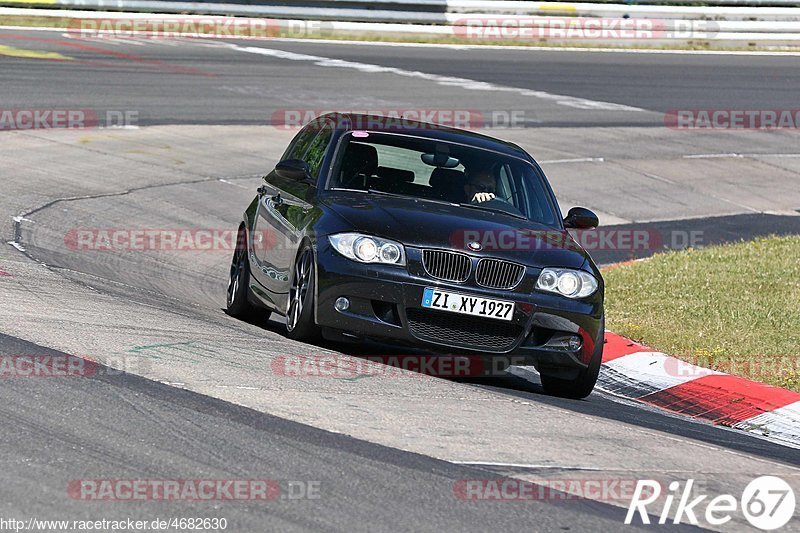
column 396, row 195
column 374, row 191
column 494, row 210
column 386, row 193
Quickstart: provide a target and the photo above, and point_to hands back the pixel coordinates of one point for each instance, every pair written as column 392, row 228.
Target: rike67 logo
column 768, row 503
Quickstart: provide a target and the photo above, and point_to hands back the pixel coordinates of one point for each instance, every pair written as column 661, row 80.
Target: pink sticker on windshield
column 360, row 134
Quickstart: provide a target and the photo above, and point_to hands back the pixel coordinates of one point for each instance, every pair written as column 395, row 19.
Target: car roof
column 353, row 121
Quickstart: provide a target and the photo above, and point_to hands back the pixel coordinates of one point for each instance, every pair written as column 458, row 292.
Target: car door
column 284, row 213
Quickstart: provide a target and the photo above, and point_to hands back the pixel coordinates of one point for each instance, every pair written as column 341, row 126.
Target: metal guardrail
column 748, row 3
column 436, row 11
column 698, row 3
column 595, row 9
column 779, row 25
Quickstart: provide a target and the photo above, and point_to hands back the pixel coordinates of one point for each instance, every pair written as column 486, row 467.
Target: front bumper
column 386, row 304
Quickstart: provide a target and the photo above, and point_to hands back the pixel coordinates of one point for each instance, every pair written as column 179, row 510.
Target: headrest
column 396, row 174
column 443, row 178
column 361, row 158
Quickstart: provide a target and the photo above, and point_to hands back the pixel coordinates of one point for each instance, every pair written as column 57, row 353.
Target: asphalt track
column 210, row 85
column 123, row 426
column 382, row 449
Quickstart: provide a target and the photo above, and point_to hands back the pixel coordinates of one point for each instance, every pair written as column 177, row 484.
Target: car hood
column 427, row 224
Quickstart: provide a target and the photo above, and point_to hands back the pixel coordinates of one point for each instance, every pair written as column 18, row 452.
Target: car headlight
column 368, row 249
column 569, row 283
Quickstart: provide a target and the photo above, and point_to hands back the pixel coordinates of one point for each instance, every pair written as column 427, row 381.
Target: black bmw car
column 425, row 235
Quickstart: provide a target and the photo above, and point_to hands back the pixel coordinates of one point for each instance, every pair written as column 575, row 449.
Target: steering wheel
column 500, row 205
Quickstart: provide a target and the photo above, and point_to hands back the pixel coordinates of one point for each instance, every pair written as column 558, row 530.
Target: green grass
column 57, row 22
column 734, row 308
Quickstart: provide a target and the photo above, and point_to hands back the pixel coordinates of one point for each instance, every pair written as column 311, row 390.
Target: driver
column 480, row 187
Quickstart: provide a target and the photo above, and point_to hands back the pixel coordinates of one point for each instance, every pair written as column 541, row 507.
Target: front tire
column 582, row 385
column 300, row 323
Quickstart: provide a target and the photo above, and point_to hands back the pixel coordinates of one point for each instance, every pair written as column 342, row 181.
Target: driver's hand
column 483, row 197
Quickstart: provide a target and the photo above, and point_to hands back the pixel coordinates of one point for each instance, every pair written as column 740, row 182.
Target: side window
column 316, row 152
column 301, row 141
column 504, row 187
column 537, row 197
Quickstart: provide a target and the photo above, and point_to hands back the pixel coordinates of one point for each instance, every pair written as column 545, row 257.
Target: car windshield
column 432, row 169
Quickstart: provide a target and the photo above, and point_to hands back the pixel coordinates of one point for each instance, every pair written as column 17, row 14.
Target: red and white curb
column 634, row 371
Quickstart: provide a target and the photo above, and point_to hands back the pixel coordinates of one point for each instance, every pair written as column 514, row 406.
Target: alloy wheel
column 237, row 267
column 299, row 289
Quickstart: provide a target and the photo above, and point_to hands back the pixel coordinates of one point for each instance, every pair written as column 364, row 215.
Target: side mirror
column 293, row 169
column 581, row 218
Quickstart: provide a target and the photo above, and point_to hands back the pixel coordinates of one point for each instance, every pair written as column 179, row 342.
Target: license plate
column 464, row 304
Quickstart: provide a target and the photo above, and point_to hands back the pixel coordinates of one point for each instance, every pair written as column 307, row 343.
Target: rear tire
column 238, row 294
column 583, row 384
column 300, row 324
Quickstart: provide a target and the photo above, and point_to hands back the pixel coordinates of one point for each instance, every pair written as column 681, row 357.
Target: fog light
column 565, row 342
column 342, row 304
column 574, row 342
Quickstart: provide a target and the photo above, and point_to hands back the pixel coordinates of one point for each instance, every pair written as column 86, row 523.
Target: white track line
column 528, row 466
column 234, row 184
column 449, row 81
column 576, row 160
column 735, row 155
column 545, row 48
column 555, row 49
column 710, row 156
